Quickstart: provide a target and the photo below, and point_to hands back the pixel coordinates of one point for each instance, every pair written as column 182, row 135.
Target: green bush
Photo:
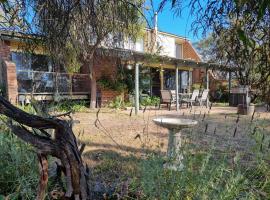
column 117, row 103
column 150, row 101
column 18, row 168
column 221, row 93
column 75, row 106
column 116, row 85
column 197, row 86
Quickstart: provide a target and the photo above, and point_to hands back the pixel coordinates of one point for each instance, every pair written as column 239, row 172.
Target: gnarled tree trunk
column 62, row 146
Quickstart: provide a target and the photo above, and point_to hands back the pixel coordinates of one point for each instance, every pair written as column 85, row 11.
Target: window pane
column 21, row 60
column 39, row 63
column 169, row 79
column 25, row 81
column 178, row 50
column 184, row 80
column 43, row 82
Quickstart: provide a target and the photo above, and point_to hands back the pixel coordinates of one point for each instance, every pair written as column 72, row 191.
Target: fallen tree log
column 62, row 146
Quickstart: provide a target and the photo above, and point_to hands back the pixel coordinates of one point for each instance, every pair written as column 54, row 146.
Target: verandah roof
column 140, row 57
column 161, row 60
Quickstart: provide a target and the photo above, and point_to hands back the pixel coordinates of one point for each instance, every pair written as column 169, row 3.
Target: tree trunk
column 63, row 146
column 43, row 179
column 93, row 99
column 93, row 82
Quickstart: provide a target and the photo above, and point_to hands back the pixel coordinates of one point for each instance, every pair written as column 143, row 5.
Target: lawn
column 225, row 156
column 123, row 149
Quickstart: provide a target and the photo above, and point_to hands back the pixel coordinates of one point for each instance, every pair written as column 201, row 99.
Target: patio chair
column 173, row 95
column 204, row 98
column 166, row 98
column 190, row 101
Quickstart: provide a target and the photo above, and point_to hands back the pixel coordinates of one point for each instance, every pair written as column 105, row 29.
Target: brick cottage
column 24, row 76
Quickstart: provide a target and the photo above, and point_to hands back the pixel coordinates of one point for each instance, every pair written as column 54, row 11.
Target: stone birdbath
column 174, row 125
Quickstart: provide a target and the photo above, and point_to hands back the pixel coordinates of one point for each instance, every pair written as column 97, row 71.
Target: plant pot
column 243, row 109
column 251, row 109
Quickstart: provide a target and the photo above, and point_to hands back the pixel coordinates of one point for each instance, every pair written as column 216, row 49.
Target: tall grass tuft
column 203, row 177
column 18, row 167
column 212, row 172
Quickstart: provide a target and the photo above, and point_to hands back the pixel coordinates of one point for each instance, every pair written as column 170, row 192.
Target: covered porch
column 167, row 73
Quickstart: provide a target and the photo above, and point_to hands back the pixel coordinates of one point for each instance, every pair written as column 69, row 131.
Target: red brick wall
column 5, row 50
column 109, row 95
column 190, row 53
column 8, row 72
column 104, row 67
column 12, row 86
column 9, row 80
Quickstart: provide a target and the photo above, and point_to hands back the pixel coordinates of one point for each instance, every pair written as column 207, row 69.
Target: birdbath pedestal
column 174, row 125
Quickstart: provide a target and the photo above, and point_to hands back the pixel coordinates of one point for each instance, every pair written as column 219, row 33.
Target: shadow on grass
column 116, row 147
column 110, row 172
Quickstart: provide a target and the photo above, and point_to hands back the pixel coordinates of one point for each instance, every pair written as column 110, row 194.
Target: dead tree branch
column 63, row 146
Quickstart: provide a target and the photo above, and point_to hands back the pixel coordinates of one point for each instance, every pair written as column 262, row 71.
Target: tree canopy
column 240, row 35
column 71, row 30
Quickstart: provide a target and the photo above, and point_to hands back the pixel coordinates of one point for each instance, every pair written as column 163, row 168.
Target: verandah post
column 177, row 88
column 137, row 103
column 207, row 86
column 230, row 85
column 207, row 79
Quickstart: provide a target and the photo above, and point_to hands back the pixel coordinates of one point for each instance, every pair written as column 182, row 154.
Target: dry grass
column 115, row 146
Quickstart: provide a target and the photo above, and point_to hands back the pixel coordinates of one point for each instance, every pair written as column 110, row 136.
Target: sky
column 178, row 25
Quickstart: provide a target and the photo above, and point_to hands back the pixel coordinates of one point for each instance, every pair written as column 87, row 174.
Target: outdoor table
column 174, row 125
column 184, row 95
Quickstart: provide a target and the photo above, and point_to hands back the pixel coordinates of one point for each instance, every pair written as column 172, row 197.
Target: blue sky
column 179, row 25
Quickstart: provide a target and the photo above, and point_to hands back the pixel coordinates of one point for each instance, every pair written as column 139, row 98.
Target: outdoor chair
column 166, row 98
column 192, row 100
column 204, row 98
column 173, row 95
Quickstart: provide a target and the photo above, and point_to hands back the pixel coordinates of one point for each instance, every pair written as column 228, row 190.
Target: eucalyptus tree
column 240, row 31
column 82, row 26
column 88, row 25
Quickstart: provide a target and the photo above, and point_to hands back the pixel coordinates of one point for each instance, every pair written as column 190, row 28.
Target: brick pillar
column 9, row 80
column 8, row 77
column 5, row 50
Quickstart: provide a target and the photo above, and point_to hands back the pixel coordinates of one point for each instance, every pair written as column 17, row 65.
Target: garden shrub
column 18, row 167
column 68, row 105
column 150, row 101
column 197, row 86
column 117, row 103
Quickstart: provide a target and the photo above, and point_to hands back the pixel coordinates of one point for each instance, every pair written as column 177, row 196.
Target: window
column 39, row 63
column 22, row 61
column 33, row 72
column 178, row 50
column 169, row 79
column 184, row 80
column 31, row 62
